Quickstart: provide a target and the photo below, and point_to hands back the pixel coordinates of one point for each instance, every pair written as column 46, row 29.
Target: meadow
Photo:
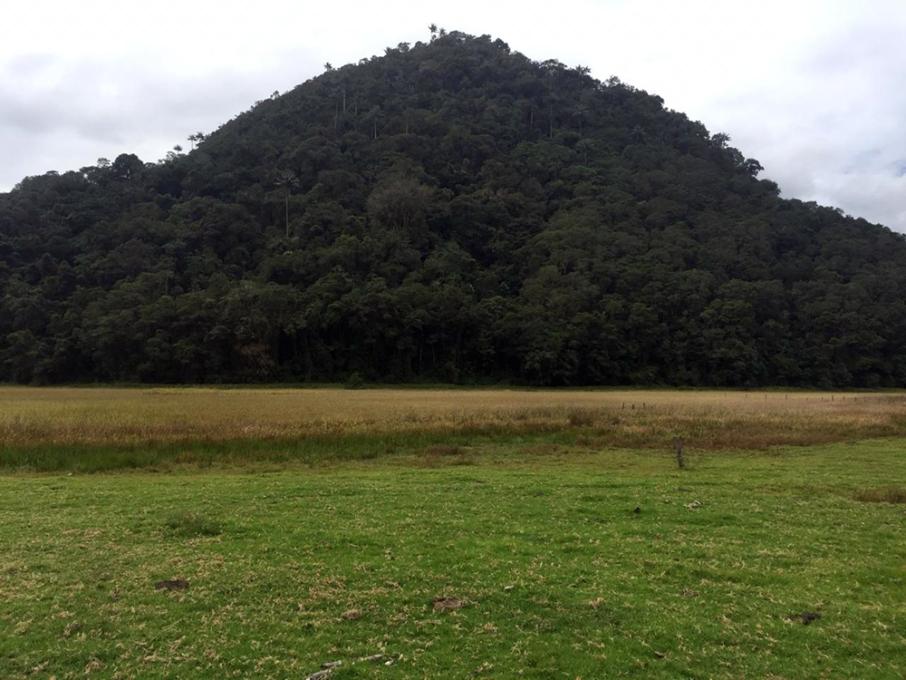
column 46, row 429
column 415, row 533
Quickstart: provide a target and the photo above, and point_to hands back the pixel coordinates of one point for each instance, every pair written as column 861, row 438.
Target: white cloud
column 813, row 89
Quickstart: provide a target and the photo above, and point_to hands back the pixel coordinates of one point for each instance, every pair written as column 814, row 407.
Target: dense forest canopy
column 448, row 211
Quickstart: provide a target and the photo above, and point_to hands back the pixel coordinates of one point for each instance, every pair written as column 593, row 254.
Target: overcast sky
column 815, row 90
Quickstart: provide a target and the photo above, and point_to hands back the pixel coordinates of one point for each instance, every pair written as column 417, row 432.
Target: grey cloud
column 58, row 114
column 830, row 129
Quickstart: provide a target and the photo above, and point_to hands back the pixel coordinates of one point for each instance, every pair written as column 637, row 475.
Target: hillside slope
column 448, row 211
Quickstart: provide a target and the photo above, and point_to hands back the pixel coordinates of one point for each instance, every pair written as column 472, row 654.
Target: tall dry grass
column 706, row 419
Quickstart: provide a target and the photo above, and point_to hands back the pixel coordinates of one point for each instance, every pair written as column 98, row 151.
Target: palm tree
column 198, row 137
column 288, row 181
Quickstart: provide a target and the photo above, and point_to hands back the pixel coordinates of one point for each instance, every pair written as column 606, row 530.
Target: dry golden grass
column 706, row 419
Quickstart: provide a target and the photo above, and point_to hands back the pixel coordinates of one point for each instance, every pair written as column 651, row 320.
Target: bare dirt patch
column 446, row 604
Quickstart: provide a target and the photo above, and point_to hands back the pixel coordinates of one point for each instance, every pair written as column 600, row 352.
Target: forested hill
column 449, row 211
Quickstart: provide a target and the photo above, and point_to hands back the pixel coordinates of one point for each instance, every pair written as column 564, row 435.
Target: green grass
column 557, row 576
column 243, row 454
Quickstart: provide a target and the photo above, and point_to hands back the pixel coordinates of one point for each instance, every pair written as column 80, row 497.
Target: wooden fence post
column 678, row 450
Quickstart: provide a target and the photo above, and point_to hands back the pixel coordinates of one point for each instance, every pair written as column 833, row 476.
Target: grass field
column 449, row 534
column 47, row 429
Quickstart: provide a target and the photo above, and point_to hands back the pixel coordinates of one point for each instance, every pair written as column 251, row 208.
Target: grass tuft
column 580, row 418
column 193, row 525
column 444, row 450
column 884, row 494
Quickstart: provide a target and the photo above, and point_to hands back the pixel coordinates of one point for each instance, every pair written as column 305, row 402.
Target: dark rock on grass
column 172, row 584
column 805, row 617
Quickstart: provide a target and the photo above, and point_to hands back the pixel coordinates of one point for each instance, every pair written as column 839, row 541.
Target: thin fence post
column 678, row 450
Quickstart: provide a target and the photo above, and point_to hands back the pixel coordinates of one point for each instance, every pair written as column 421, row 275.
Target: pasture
column 282, row 533
column 46, row 429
